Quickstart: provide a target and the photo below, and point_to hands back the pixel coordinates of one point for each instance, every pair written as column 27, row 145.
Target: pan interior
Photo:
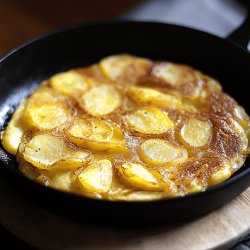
column 23, row 69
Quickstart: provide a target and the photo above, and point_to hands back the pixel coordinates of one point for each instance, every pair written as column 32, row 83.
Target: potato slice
column 154, row 97
column 172, row 73
column 47, row 115
column 139, row 177
column 241, row 116
column 101, row 100
column 42, row 94
column 149, row 121
column 97, row 177
column 51, row 152
column 62, row 180
column 161, row 153
column 97, row 135
column 221, row 175
column 196, row 132
column 115, row 66
column 11, row 137
column 69, row 83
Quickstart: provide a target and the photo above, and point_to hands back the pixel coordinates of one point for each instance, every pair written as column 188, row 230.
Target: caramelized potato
column 97, row 177
column 51, row 152
column 47, row 115
column 221, row 175
column 118, row 65
column 139, row 177
column 172, row 73
column 62, row 181
column 101, row 100
column 149, row 121
column 11, row 137
column 69, row 83
column 196, row 133
column 159, row 152
column 154, row 97
column 45, row 94
column 97, row 135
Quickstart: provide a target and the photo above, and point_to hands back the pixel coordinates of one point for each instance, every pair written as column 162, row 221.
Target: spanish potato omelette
column 129, row 128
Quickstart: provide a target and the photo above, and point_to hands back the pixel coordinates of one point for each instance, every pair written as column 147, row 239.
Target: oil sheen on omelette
column 129, row 129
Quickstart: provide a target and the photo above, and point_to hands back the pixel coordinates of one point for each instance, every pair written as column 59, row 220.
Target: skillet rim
column 234, row 178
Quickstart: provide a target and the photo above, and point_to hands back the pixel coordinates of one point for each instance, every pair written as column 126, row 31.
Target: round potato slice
column 139, row 177
column 172, row 73
column 196, row 132
column 159, row 152
column 47, row 115
column 101, row 100
column 51, row 152
column 96, row 135
column 115, row 66
column 149, row 121
column 12, row 135
column 154, row 97
column 69, row 83
column 221, row 175
column 43, row 94
column 97, row 177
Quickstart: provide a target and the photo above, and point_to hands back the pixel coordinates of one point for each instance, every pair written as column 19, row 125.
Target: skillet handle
column 241, row 35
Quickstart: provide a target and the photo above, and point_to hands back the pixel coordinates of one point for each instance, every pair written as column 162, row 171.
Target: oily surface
column 129, row 128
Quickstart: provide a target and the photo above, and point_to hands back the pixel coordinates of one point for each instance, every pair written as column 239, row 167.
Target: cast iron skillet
column 25, row 67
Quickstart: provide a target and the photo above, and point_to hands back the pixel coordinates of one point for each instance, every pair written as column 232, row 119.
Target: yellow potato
column 173, row 74
column 196, row 132
column 69, row 83
column 203, row 86
column 62, row 181
column 13, row 133
column 41, row 95
column 221, row 175
column 194, row 188
column 159, row 152
column 51, row 152
column 139, row 177
column 115, row 66
column 45, row 94
column 47, row 115
column 241, row 116
column 101, row 100
column 151, row 96
column 97, row 135
column 97, row 177
column 149, row 121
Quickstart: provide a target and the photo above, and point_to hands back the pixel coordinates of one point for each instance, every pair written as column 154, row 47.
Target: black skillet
column 25, row 67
